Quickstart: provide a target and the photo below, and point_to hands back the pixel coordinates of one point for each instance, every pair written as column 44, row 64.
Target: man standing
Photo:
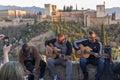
column 29, row 57
column 94, row 58
column 63, row 54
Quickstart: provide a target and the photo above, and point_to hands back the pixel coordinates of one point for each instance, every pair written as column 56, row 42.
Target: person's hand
column 96, row 55
column 34, row 70
column 2, row 36
column 79, row 52
column 49, row 49
column 67, row 57
column 62, row 56
column 57, row 50
column 6, row 49
column 27, row 72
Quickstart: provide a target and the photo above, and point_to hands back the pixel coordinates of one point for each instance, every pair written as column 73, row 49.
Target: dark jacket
column 69, row 47
column 96, row 47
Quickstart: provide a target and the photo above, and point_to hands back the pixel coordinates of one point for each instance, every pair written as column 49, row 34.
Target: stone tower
column 50, row 9
column 101, row 10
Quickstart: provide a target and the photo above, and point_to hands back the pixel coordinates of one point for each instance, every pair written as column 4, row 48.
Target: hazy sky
column 60, row 3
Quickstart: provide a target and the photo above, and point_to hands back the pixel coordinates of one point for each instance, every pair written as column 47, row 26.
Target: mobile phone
column 6, row 41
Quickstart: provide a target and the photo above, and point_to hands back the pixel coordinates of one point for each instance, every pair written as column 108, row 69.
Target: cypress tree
column 103, row 37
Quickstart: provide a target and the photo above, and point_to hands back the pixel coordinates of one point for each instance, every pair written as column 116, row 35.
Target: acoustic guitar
column 86, row 52
column 54, row 51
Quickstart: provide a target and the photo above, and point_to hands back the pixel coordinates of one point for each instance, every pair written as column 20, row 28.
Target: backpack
column 116, row 71
column 108, row 65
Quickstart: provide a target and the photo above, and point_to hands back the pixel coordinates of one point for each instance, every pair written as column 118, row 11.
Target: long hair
column 26, row 53
column 11, row 71
column 24, row 47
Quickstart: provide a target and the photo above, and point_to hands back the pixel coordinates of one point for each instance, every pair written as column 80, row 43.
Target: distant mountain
column 28, row 9
column 114, row 9
column 38, row 9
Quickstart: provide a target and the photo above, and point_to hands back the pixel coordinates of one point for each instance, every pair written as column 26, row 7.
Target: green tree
column 76, row 7
column 64, row 8
column 71, row 8
column 103, row 37
column 68, row 8
column 60, row 17
column 80, row 29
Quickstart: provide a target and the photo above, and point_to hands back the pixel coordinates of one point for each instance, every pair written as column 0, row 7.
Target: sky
column 60, row 3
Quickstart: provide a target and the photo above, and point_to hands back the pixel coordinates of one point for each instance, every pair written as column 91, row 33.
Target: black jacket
column 96, row 47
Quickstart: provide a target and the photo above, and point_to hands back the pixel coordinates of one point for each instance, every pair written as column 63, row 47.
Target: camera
column 6, row 41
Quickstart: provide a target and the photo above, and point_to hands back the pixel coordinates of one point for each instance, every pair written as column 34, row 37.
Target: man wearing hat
column 94, row 58
column 62, row 55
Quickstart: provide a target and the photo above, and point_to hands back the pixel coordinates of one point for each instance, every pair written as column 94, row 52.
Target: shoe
column 41, row 79
column 55, row 77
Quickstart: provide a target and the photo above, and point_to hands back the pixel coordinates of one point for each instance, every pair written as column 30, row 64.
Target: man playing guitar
column 58, row 51
column 94, row 59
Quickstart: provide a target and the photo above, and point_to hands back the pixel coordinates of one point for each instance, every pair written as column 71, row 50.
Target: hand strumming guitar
column 86, row 52
column 79, row 51
column 96, row 55
column 49, row 49
column 52, row 49
column 64, row 57
column 67, row 57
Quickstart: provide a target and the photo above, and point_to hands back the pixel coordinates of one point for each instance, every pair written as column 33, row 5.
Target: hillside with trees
column 109, row 35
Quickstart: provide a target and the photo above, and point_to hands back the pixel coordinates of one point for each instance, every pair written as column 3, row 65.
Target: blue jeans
column 51, row 62
column 96, row 62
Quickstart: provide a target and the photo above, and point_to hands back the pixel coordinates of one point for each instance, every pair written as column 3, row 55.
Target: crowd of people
column 58, row 52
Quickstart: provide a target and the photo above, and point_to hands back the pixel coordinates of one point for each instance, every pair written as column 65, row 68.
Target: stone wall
column 14, row 23
column 76, row 72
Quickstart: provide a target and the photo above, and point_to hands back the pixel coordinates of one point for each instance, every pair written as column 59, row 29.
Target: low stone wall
column 14, row 23
column 76, row 72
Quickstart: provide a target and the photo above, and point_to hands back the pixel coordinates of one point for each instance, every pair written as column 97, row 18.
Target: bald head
column 61, row 38
column 92, row 36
